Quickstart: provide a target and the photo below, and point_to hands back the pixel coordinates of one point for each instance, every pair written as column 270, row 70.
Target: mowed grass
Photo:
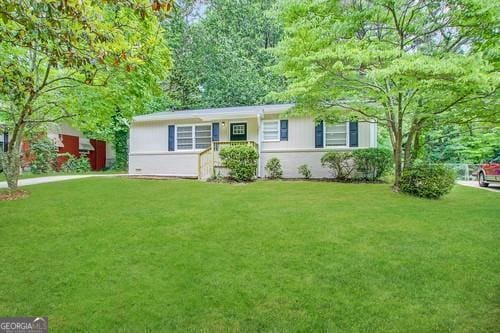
column 129, row 255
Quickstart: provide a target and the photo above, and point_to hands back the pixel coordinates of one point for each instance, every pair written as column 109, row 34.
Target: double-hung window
column 271, row 130
column 191, row 137
column 336, row 135
column 202, row 136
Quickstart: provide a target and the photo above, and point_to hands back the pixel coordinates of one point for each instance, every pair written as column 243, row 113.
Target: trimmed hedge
column 241, row 160
column 372, row 163
column 427, row 180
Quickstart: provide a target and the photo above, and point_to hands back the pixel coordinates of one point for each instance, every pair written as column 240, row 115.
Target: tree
column 50, row 47
column 409, row 64
column 221, row 57
column 469, row 143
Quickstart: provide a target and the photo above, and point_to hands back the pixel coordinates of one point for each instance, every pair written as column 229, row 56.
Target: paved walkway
column 51, row 179
column 474, row 183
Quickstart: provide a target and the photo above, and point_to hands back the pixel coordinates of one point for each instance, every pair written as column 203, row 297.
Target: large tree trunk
column 11, row 160
column 397, row 167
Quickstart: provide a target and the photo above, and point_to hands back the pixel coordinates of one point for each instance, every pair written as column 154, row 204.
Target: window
column 194, row 137
column 238, row 129
column 271, row 130
column 184, row 137
column 203, row 136
column 336, row 135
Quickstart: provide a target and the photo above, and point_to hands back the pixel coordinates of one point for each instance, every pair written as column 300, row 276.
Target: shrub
column 339, row 163
column 75, row 164
column 274, row 169
column 44, row 154
column 372, row 163
column 427, row 180
column 241, row 160
column 305, row 171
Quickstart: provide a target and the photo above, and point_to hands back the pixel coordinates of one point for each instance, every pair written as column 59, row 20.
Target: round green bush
column 241, row 160
column 339, row 163
column 305, row 171
column 427, row 180
column 76, row 164
column 274, row 169
column 372, row 163
column 44, row 154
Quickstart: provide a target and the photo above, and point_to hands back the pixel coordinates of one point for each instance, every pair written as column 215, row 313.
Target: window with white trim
column 191, row 137
column 202, row 136
column 238, row 129
column 271, row 130
column 336, row 135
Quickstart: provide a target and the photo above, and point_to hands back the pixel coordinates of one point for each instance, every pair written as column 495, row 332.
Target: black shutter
column 353, row 134
column 318, row 135
column 171, row 137
column 284, row 130
column 5, row 141
column 215, row 131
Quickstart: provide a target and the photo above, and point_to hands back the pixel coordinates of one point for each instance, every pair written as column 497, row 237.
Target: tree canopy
column 50, row 49
column 222, row 57
column 408, row 64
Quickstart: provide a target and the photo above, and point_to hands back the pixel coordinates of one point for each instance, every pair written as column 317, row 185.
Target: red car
column 489, row 172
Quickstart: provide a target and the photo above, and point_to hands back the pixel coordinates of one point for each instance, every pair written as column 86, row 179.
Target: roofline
column 215, row 113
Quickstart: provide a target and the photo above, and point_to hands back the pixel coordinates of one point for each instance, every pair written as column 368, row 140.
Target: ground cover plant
column 266, row 256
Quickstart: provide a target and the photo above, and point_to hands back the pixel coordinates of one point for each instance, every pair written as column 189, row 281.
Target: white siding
column 301, row 136
column 165, row 164
column 252, row 130
column 149, row 147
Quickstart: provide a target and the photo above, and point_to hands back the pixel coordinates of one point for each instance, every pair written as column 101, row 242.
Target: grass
column 129, row 255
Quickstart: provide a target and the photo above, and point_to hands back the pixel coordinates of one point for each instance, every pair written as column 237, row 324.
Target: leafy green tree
column 221, row 57
column 409, row 64
column 468, row 143
column 48, row 48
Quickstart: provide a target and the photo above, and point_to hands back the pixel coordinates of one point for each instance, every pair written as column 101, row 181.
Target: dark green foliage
column 120, row 137
column 44, row 154
column 274, row 169
column 372, row 163
column 411, row 65
column 241, row 160
column 305, row 171
column 223, row 57
column 76, row 164
column 474, row 143
column 427, row 180
column 340, row 164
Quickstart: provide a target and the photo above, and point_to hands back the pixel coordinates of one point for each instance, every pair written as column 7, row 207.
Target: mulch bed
column 9, row 195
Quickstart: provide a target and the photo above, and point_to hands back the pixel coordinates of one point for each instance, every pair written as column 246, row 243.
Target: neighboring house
column 69, row 140
column 186, row 143
column 72, row 141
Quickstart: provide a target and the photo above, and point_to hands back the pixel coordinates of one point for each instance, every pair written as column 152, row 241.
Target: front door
column 238, row 131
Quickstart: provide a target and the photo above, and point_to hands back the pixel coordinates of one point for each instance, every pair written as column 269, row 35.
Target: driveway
column 472, row 183
column 51, row 179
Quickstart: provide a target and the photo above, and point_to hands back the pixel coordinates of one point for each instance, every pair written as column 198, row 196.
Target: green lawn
column 130, row 255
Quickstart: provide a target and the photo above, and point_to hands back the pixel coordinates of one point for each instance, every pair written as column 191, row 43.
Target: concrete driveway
column 51, row 179
column 473, row 183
